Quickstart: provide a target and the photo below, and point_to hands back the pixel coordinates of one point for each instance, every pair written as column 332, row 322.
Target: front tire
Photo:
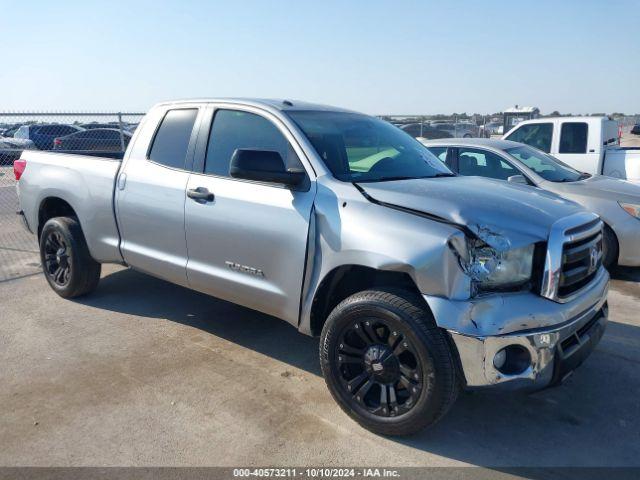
column 66, row 261
column 386, row 363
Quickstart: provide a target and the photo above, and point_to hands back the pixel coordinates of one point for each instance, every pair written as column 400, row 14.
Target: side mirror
column 518, row 179
column 263, row 166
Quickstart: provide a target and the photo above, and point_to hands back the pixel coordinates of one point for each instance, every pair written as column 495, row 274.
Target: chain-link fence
column 442, row 126
column 104, row 134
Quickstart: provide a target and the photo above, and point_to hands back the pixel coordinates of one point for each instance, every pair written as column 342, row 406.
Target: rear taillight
column 19, row 167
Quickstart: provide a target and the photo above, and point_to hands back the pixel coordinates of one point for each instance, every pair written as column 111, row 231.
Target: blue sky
column 374, row 56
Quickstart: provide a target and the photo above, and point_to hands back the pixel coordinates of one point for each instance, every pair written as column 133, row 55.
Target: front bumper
column 557, row 337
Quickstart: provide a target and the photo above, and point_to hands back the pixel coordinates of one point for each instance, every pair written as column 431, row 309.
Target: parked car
column 423, row 130
column 100, row 139
column 418, row 282
column 9, row 132
column 636, row 129
column 11, row 149
column 588, row 144
column 42, row 135
column 493, row 128
column 612, row 199
column 460, row 129
column 93, row 125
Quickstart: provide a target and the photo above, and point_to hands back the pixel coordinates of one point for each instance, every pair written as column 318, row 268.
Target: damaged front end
column 492, row 263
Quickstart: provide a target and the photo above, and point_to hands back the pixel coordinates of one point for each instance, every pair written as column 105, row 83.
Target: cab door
column 150, row 194
column 247, row 240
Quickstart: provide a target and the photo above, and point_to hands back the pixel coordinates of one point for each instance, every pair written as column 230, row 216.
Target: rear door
column 574, row 148
column 248, row 243
column 150, row 193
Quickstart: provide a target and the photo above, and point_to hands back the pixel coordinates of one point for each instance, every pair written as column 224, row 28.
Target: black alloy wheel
column 386, row 362
column 379, row 367
column 57, row 261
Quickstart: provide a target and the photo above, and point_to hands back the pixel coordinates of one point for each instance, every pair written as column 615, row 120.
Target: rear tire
column 386, row 363
column 66, row 261
column 610, row 248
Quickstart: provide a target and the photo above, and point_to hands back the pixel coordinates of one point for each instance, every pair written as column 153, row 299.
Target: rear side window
column 537, row 135
column 232, row 130
column 171, row 142
column 573, row 138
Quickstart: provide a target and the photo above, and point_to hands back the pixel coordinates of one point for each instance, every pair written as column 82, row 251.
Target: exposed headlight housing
column 631, row 209
column 493, row 270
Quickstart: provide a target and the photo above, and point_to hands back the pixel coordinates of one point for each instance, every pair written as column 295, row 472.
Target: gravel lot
column 147, row 373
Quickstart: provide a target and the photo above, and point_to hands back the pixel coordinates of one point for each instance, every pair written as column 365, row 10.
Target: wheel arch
column 51, row 207
column 344, row 281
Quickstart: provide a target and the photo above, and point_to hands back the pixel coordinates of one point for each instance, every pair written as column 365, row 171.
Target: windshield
column 546, row 166
column 359, row 148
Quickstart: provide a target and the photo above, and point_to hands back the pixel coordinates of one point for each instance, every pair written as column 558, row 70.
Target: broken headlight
column 492, row 269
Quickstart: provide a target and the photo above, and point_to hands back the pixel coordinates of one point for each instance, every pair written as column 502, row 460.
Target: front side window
column 538, row 135
column 482, row 163
column 573, row 137
column 232, row 130
column 439, row 152
column 171, row 142
column 546, row 166
column 359, row 148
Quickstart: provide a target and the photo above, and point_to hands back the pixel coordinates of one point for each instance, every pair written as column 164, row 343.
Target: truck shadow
column 131, row 292
column 592, row 420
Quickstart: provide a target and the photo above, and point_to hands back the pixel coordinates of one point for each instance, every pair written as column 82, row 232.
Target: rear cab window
column 171, row 142
column 573, row 137
column 536, row 135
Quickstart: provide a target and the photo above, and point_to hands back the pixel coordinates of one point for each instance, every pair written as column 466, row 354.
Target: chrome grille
column 574, row 256
column 580, row 263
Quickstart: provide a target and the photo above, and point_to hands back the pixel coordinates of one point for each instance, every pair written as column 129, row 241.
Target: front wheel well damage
column 346, row 280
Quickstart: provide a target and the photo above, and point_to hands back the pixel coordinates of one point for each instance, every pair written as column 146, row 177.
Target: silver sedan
column 617, row 202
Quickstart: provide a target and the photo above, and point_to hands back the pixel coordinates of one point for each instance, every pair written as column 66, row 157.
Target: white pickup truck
column 589, row 144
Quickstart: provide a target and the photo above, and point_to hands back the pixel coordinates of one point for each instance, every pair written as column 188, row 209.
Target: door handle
column 200, row 194
column 122, row 181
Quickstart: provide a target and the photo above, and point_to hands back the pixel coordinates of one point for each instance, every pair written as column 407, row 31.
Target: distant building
column 514, row 115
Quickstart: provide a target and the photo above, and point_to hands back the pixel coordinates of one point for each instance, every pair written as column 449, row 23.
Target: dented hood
column 495, row 210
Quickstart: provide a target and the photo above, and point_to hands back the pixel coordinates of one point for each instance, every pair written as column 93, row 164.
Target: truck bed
column 86, row 183
column 622, row 162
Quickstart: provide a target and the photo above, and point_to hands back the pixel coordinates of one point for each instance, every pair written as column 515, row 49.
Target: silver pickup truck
column 418, row 282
